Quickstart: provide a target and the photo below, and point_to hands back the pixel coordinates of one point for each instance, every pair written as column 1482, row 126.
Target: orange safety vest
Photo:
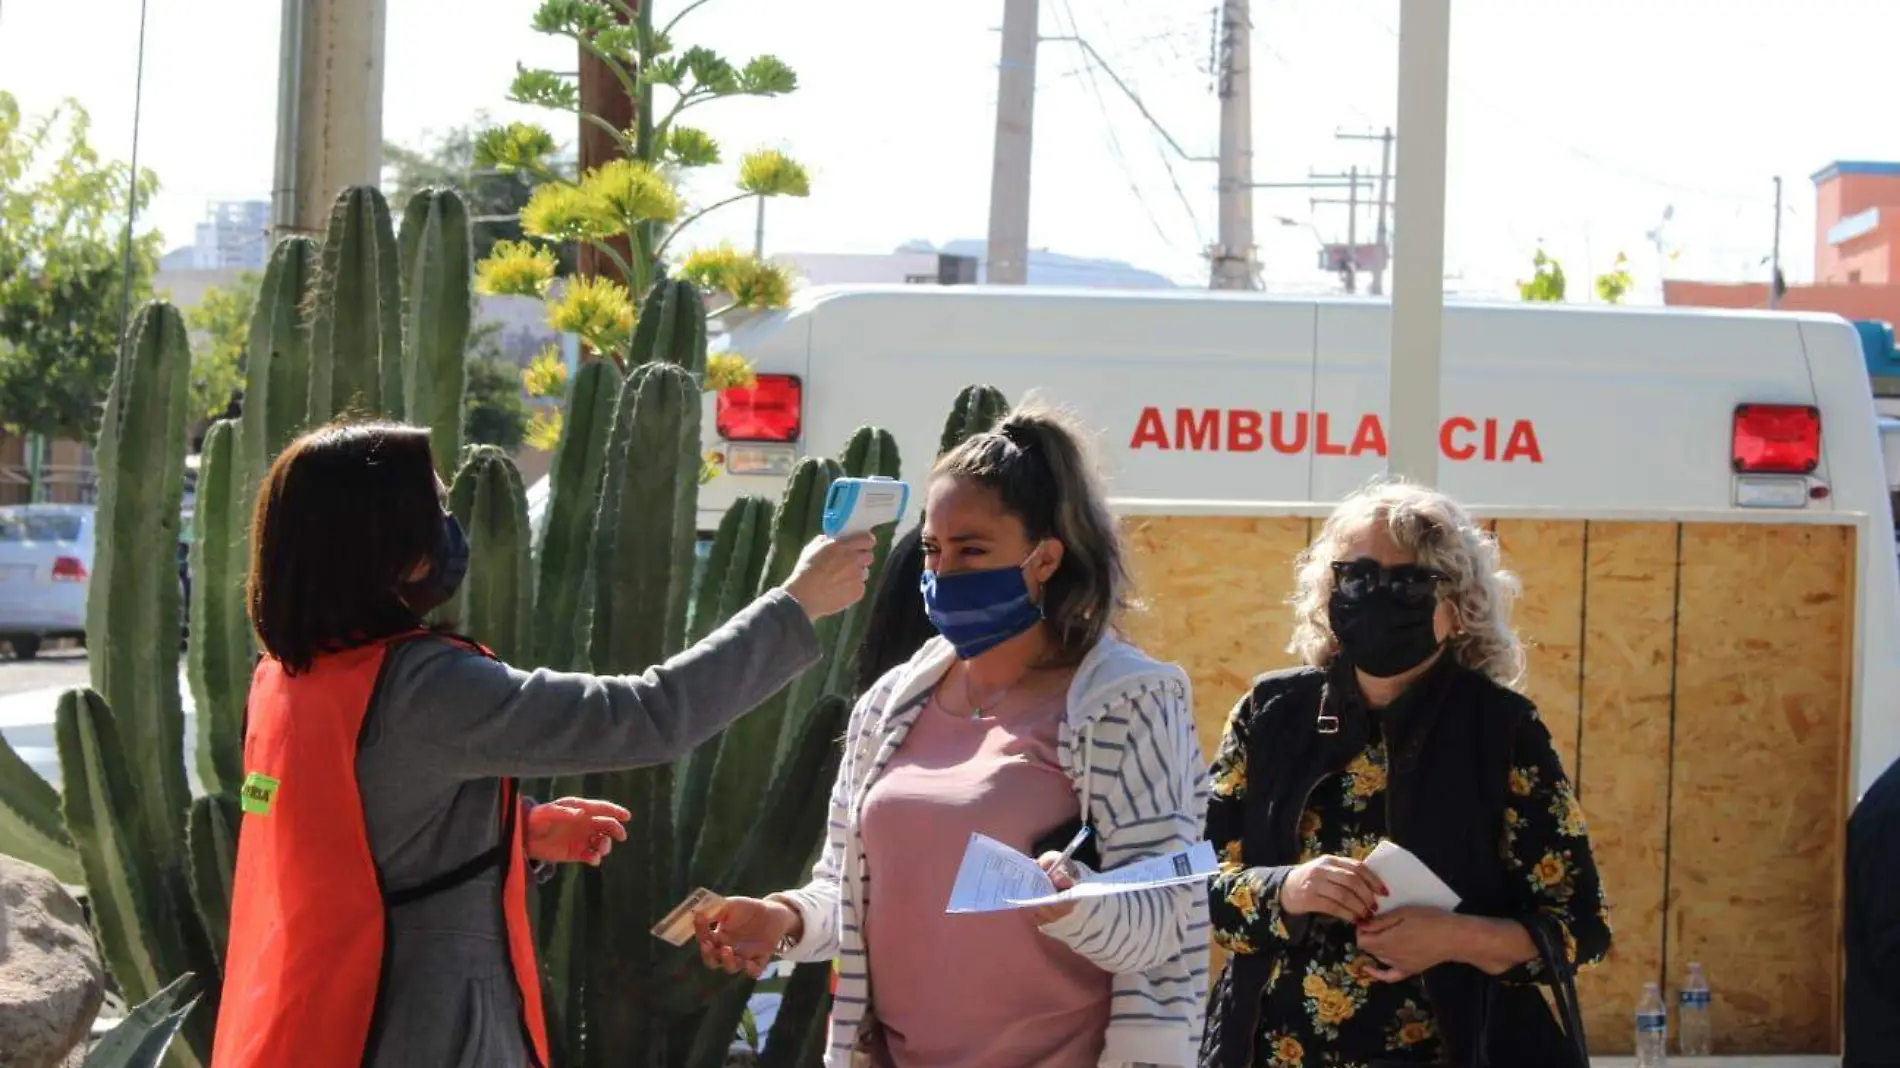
column 309, row 911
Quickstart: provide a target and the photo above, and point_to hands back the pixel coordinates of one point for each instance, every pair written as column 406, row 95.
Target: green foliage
column 494, row 168
column 1546, row 283
column 221, row 327
column 140, row 1040
column 1613, row 285
column 63, row 279
column 494, row 411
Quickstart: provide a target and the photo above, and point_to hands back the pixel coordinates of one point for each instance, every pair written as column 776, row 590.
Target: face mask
column 448, row 565
column 976, row 611
column 1382, row 634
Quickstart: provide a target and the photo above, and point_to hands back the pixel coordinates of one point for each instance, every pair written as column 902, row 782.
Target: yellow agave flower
column 516, row 269
column 561, row 212
column 633, row 191
column 729, row 370
column 598, row 309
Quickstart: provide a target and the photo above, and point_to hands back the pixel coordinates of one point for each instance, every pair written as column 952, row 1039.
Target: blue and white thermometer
column 855, row 505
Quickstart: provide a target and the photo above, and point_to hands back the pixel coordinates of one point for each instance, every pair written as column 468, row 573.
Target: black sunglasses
column 1356, row 580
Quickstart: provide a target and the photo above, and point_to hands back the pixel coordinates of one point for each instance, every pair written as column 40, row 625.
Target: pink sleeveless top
column 988, row 990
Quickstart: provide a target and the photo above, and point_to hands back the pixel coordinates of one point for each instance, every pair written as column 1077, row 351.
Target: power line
column 132, row 183
column 1108, row 123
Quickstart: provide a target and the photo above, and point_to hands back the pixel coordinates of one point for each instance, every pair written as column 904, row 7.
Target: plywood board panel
column 1628, row 644
column 1755, row 842
column 1215, row 591
column 1547, row 556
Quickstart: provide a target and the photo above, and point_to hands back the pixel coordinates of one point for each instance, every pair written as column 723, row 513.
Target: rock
column 51, row 982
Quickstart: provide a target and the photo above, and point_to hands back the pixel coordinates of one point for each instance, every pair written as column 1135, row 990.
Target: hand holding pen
column 1062, row 872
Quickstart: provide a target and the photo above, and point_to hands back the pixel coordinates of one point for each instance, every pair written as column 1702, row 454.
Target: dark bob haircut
column 344, row 515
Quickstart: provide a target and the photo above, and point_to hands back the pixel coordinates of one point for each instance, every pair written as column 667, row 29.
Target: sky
column 1574, row 124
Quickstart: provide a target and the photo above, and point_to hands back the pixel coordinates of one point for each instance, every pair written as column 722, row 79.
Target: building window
column 1853, row 278
column 920, row 279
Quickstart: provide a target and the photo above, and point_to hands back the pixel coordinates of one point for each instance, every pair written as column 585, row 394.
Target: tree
column 63, row 278
column 629, row 211
column 1546, row 284
column 221, row 325
column 495, row 198
column 497, row 414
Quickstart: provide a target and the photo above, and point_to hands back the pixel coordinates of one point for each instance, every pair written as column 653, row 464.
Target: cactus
column 977, row 409
column 561, row 603
column 488, row 499
column 672, row 327
column 437, row 304
column 221, row 652
column 277, row 356
column 356, row 331
column 30, row 826
column 212, row 842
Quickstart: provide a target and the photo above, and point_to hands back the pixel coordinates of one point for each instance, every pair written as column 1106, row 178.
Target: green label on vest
column 257, row 792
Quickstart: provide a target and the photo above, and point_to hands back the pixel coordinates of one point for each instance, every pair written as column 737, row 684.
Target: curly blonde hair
column 1442, row 535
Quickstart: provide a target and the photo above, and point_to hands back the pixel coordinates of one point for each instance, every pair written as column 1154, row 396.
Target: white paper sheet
column 994, row 878
column 1411, row 882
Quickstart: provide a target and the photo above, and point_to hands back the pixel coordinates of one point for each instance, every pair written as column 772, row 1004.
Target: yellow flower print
column 1241, row 897
column 1230, row 776
column 1523, row 781
column 1309, row 823
column 1365, row 776
column 1230, row 855
column 1360, row 847
column 1551, row 872
column 1411, row 1026
column 1568, row 813
column 1232, row 943
column 1332, row 1008
column 1313, row 985
column 1285, row 1051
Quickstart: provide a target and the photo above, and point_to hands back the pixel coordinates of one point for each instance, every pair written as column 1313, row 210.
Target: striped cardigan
column 1128, row 745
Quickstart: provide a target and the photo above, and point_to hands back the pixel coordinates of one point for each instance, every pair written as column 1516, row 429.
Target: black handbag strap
column 1563, row 985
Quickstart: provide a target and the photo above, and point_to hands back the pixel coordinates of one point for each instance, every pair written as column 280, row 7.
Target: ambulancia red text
column 1326, row 434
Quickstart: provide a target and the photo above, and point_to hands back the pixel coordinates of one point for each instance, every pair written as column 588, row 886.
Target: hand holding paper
column 996, row 878
column 1408, row 879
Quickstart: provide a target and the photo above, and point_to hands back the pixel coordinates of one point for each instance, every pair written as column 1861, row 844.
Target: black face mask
column 448, row 565
column 1383, row 634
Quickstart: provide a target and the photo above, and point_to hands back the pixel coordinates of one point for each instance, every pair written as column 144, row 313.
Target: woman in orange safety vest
column 379, row 914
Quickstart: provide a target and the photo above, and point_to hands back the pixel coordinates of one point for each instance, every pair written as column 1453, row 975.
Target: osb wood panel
column 1547, row 556
column 1755, row 841
column 1214, row 592
column 1623, row 781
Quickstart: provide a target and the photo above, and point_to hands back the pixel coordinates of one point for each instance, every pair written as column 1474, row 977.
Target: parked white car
column 45, row 564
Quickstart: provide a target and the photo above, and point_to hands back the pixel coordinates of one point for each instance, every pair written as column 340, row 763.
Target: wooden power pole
column 329, row 108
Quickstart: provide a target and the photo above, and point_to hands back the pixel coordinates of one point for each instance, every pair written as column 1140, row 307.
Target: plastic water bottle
column 1652, row 1029
column 1693, row 1034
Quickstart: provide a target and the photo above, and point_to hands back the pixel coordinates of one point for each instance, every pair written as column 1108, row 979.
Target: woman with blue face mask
column 1026, row 719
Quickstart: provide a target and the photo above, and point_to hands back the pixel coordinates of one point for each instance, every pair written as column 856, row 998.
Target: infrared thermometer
column 855, row 505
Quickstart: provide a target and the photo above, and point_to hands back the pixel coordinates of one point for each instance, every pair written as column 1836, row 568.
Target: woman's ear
column 1045, row 560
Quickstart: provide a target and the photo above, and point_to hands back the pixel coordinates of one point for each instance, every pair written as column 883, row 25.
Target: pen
column 1068, row 851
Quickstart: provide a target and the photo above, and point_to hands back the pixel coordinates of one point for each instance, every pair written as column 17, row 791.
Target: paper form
column 995, row 878
column 1411, row 882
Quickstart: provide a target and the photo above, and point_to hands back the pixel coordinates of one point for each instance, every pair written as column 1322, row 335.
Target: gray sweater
column 446, row 727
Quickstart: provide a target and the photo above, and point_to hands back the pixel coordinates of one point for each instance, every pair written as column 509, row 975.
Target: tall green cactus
column 563, row 592
column 222, row 652
column 437, row 304
column 488, row 499
column 277, row 356
column 356, row 331
column 977, row 409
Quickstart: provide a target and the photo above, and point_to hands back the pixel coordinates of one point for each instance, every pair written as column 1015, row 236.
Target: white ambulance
column 1204, row 397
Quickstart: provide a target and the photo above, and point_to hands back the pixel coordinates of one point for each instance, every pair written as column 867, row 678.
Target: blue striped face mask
column 976, row 611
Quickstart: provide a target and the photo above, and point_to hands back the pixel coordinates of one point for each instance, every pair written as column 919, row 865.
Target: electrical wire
column 1114, row 142
column 132, row 183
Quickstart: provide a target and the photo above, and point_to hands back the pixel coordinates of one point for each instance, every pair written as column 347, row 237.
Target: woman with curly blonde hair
column 1404, row 725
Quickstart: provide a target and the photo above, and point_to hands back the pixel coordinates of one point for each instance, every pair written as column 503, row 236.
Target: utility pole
column 329, row 108
column 1008, row 250
column 1418, row 271
column 1380, row 235
column 1353, row 184
column 602, row 95
column 1774, row 257
column 1233, row 252
column 758, row 233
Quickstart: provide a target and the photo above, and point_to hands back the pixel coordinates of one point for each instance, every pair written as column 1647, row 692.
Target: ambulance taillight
column 1776, row 439
column 771, row 410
